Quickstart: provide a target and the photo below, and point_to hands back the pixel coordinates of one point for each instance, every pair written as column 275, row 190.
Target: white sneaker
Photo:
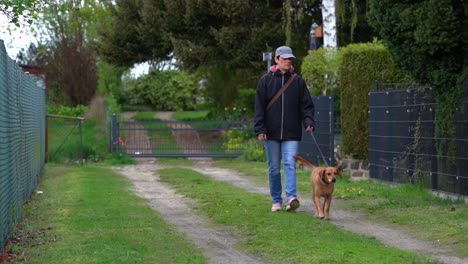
column 276, row 207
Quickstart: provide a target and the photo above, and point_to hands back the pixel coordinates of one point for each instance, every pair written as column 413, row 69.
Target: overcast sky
column 17, row 39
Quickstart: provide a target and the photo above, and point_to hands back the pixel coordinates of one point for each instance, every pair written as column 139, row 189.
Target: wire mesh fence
column 164, row 138
column 65, row 139
column 402, row 140
column 22, row 140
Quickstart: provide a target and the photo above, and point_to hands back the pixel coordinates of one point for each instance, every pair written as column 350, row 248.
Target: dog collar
column 326, row 183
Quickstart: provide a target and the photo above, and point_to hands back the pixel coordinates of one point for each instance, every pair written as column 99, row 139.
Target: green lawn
column 89, row 215
column 281, row 237
column 405, row 207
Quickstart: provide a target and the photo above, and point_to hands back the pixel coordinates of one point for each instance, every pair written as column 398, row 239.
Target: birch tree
column 329, row 23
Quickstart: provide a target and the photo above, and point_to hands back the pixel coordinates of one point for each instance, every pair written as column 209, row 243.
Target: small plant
column 254, row 151
column 119, row 158
column 234, row 112
column 66, row 110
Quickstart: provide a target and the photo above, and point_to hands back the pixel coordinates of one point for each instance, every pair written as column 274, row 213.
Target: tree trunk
column 329, row 23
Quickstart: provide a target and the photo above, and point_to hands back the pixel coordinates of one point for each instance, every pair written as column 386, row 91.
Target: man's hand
column 309, row 128
column 262, row 137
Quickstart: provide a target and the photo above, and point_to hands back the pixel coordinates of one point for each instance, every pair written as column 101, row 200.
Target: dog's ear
column 322, row 174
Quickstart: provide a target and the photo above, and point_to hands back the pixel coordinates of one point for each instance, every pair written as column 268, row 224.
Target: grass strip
column 88, row 215
column 190, row 115
column 284, row 237
column 407, row 207
column 160, row 134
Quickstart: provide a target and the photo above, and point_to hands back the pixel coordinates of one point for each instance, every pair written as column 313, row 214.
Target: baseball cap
column 284, row 52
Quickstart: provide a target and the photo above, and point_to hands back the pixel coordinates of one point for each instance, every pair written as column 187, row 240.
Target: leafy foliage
column 220, row 40
column 320, row 70
column 361, row 65
column 63, row 110
column 164, row 90
column 428, row 39
column 352, row 24
column 109, row 82
column 66, row 53
column 14, row 9
column 135, row 33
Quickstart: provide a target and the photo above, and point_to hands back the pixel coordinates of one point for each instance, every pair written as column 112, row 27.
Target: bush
column 254, row 151
column 320, row 71
column 361, row 65
column 241, row 108
column 163, row 90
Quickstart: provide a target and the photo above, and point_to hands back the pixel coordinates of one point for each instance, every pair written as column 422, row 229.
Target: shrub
column 361, row 65
column 320, row 71
column 254, row 151
column 163, row 90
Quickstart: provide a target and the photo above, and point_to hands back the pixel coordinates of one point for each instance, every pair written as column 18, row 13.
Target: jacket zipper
column 282, row 108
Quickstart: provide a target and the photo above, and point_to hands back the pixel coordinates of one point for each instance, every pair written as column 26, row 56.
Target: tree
column 70, row 62
column 427, row 38
column 136, row 34
column 14, row 9
column 222, row 39
column 352, row 24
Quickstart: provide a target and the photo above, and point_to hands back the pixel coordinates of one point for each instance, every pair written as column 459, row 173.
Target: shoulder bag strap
column 277, row 95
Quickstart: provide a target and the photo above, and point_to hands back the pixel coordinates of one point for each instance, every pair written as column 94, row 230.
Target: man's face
column 283, row 64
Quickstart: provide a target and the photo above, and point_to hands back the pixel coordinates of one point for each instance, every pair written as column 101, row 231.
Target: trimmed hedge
column 361, row 65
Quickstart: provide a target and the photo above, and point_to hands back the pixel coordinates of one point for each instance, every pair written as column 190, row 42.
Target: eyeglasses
column 290, row 59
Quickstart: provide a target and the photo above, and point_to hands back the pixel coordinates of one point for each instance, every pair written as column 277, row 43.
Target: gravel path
column 218, row 246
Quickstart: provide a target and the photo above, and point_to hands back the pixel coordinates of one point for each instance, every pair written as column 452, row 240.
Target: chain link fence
column 65, row 139
column 22, row 140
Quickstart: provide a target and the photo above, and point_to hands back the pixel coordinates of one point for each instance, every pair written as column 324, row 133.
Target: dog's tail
column 304, row 161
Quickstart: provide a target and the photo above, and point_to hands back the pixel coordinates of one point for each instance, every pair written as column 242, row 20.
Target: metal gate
column 157, row 138
column 161, row 138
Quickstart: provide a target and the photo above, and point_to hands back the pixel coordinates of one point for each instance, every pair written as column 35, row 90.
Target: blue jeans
column 276, row 151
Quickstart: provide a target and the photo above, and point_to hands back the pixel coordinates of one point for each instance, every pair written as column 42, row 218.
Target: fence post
column 81, row 141
column 331, row 130
column 114, row 133
column 434, row 159
column 46, row 139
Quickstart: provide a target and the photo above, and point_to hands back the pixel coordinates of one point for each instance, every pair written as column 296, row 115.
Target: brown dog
column 322, row 182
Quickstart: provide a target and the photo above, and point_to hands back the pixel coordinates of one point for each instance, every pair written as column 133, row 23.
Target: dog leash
column 321, row 154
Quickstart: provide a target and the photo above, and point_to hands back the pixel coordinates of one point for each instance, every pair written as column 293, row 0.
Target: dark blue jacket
column 291, row 112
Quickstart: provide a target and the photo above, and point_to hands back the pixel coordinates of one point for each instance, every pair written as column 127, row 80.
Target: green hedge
column 361, row 65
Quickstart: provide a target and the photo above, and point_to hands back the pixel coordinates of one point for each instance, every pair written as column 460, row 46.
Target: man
column 280, row 126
